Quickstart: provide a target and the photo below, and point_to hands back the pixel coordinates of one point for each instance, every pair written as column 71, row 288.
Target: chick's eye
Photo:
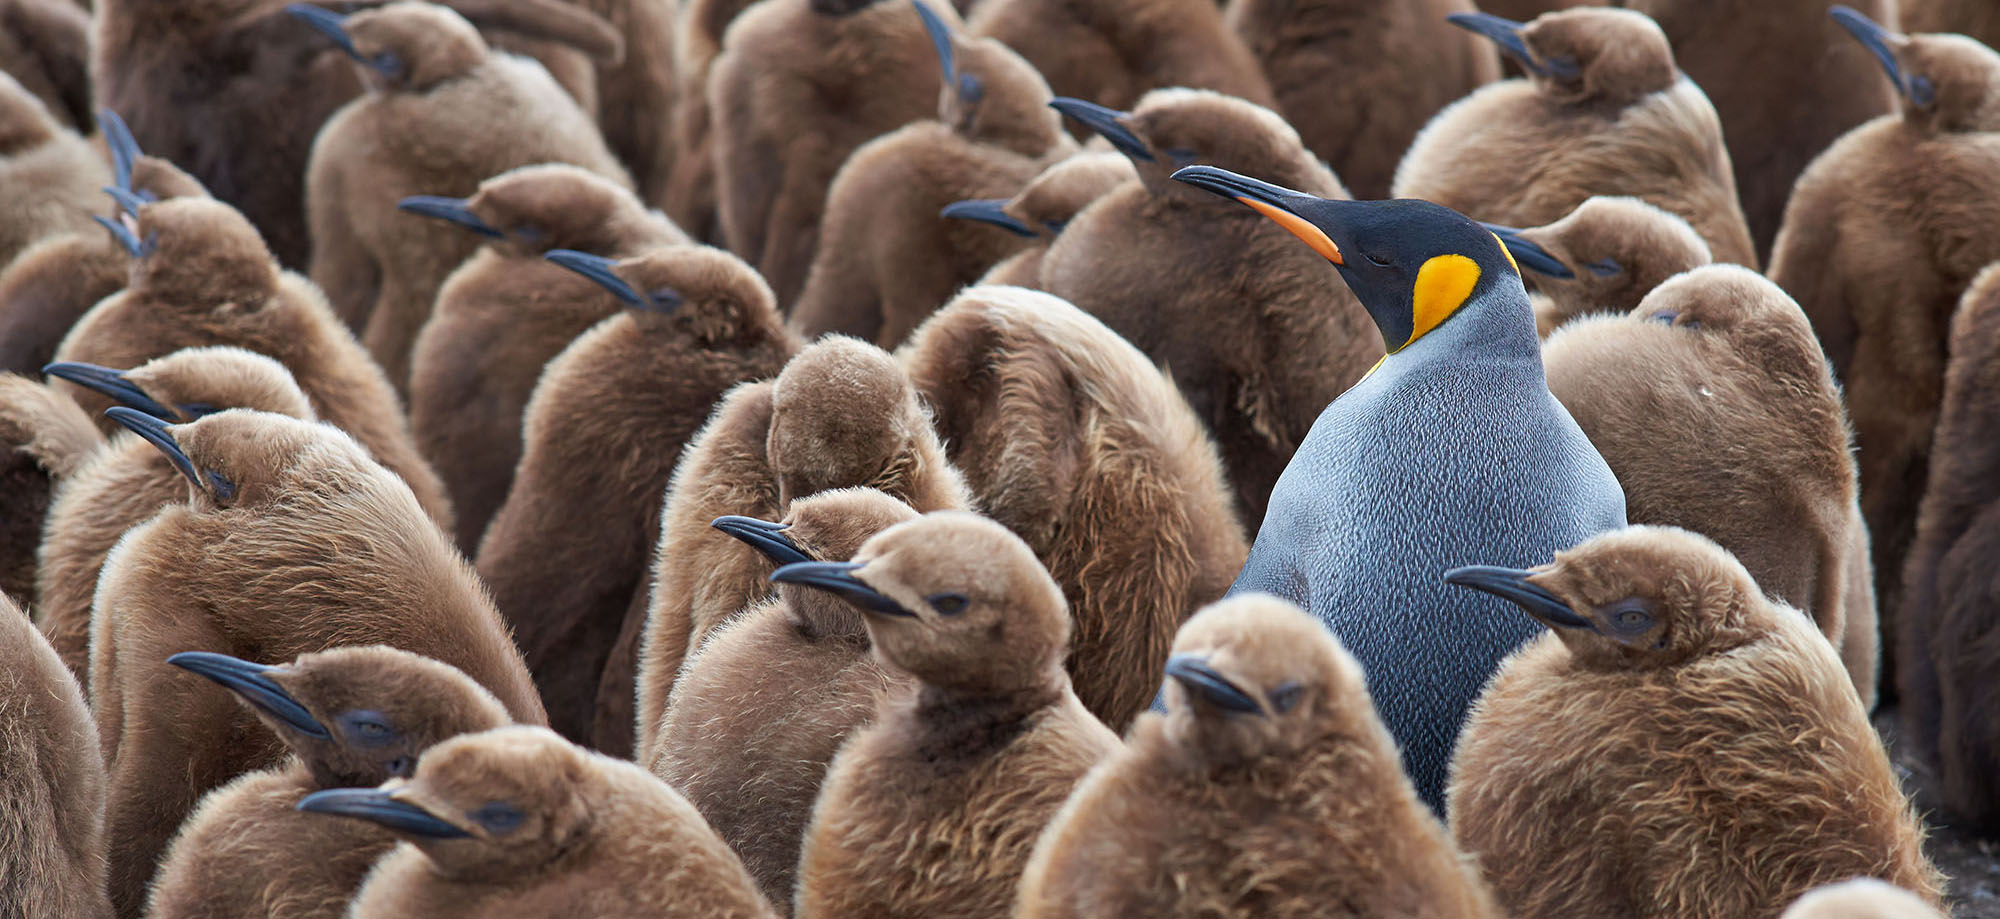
column 947, row 604
column 1664, row 317
column 221, row 486
column 1922, row 91
column 401, row 767
column 367, row 727
column 1631, row 616
column 498, row 817
column 1605, row 267
column 1286, row 697
column 1182, row 156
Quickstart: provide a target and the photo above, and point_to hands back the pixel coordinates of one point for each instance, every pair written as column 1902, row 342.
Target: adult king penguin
column 1451, row 446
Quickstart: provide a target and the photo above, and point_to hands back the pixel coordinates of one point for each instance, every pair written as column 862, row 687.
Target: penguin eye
column 947, row 604
column 401, row 767
column 1182, row 156
column 1922, row 91
column 1605, row 267
column 665, row 298
column 388, row 63
column 1286, row 696
column 970, row 89
column 1630, row 616
column 195, row 410
column 1664, row 317
column 1372, row 260
column 367, row 727
column 220, row 486
column 498, row 817
column 1055, row 226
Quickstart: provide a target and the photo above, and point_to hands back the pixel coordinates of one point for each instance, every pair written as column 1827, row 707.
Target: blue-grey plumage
column 1452, row 452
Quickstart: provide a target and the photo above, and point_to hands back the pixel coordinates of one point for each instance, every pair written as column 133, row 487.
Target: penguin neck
column 1495, row 327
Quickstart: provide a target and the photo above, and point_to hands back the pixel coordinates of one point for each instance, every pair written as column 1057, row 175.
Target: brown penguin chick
column 1882, row 237
column 45, row 47
column 1861, row 898
column 237, row 90
column 690, row 197
column 1603, row 111
column 890, row 259
column 505, row 312
column 1946, row 627
column 1268, row 788
column 44, row 438
column 350, row 718
column 976, row 755
column 1258, row 351
column 1042, row 208
column 1785, row 82
column 566, row 554
column 1360, row 79
column 1679, row 746
column 51, row 284
column 127, row 481
column 1074, row 440
column 842, row 414
column 442, row 114
column 49, row 177
column 1604, row 257
column 764, row 703
column 200, row 275
column 1113, row 53
column 51, row 782
column 637, row 92
column 1713, row 405
column 798, row 86
column 1975, row 19
column 517, row 822
column 294, row 540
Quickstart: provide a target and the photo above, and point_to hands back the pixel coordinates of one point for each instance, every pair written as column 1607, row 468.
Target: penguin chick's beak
column 838, row 578
column 381, row 807
column 127, row 240
column 1530, row 256
column 1507, row 34
column 250, row 683
column 1883, row 44
column 124, row 149
column 1512, row 585
column 601, row 270
column 1107, row 123
column 128, row 201
column 940, row 40
column 329, row 23
column 987, row 210
column 111, row 383
column 156, row 432
column 1273, row 201
column 765, row 537
column 1193, row 672
column 452, row 210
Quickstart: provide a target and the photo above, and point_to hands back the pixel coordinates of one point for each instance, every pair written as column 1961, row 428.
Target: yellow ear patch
column 1313, row 236
column 1509, row 253
column 1443, row 285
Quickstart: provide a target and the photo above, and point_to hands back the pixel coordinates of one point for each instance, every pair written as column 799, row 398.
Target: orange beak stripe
column 1312, row 235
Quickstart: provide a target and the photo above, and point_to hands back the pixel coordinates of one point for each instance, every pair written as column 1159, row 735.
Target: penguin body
column 1452, row 447
column 49, row 176
column 45, row 47
column 1604, row 257
column 44, row 438
column 690, row 197
column 1971, row 18
column 52, row 786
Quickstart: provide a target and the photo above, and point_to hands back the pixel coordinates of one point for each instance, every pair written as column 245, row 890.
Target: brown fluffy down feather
column 1359, row 78
column 318, row 547
column 1524, row 152
column 1862, row 898
column 1299, row 809
column 1882, row 237
column 566, row 555
column 45, row 46
column 44, row 438
column 841, row 415
column 127, row 481
column 1718, row 765
column 210, row 281
column 1075, row 441
column 1946, row 668
column 1049, row 202
column 49, row 176
column 1712, row 403
column 1974, row 18
column 51, row 782
column 690, row 197
column 793, row 93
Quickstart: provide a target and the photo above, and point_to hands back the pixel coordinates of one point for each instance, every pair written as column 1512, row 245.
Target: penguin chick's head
column 841, row 411
column 1640, row 598
column 1949, row 83
column 198, row 254
column 706, row 291
column 530, row 210
column 990, row 93
column 1734, row 316
column 485, row 807
column 243, row 458
column 355, row 716
column 1254, row 676
column 401, row 46
column 827, row 527
column 1047, row 203
column 955, row 600
column 193, row 382
column 1412, row 264
column 1584, row 55
column 1172, row 128
column 1605, row 255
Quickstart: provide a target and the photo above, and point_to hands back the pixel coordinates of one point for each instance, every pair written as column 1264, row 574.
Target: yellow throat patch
column 1443, row 285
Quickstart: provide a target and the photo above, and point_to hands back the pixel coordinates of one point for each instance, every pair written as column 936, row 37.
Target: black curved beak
column 940, row 40
column 250, row 683
column 1106, row 122
column 838, row 578
column 111, row 383
column 1531, row 256
column 127, row 240
column 987, row 210
column 1193, row 671
column 1507, row 34
column 380, row 807
column 599, row 269
column 128, row 201
column 452, row 210
column 1879, row 41
column 329, row 23
column 156, row 432
column 1276, row 202
column 765, row 537
column 1512, row 585
column 124, row 149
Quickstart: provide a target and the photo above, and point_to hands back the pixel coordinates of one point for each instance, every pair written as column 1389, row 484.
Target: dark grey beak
column 838, row 578
column 1531, row 255
column 1512, row 585
column 111, row 383
column 987, row 210
column 251, row 683
column 452, row 210
column 1107, row 123
column 766, row 537
column 380, row 807
column 1193, row 672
